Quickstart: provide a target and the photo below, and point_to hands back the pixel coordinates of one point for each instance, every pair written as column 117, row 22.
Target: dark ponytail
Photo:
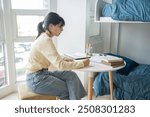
column 51, row 18
column 40, row 29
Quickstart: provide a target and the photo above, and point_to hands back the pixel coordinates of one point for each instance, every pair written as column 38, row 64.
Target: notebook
column 76, row 56
column 106, row 58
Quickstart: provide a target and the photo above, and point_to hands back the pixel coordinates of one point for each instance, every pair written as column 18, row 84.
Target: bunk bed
column 122, row 11
column 133, row 81
column 130, row 83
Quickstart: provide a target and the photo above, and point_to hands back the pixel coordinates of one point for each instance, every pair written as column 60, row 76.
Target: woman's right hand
column 86, row 62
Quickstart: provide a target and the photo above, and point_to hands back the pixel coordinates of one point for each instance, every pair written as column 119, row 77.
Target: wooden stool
column 24, row 93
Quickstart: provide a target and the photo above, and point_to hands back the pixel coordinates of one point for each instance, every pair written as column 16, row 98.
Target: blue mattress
column 135, row 86
column 128, row 10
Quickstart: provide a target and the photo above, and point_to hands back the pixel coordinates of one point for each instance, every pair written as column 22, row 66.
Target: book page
column 109, row 58
column 77, row 56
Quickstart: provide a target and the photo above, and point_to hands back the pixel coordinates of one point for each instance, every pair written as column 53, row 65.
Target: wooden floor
column 14, row 96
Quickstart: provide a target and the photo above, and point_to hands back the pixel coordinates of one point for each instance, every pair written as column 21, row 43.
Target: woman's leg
column 74, row 85
column 47, row 84
column 64, row 84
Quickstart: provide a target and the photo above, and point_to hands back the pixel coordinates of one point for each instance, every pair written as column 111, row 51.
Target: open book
column 76, row 56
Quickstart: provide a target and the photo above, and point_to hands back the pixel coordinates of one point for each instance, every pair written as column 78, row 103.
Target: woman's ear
column 50, row 26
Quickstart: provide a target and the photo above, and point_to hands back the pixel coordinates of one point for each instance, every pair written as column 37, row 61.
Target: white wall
column 133, row 41
column 73, row 37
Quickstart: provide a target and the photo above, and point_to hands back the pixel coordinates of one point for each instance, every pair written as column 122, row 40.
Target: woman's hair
column 51, row 18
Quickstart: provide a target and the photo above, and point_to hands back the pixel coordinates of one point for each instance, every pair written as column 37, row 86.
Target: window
column 27, row 24
column 21, row 54
column 26, row 16
column 3, row 75
column 3, row 80
column 18, row 29
column 29, row 4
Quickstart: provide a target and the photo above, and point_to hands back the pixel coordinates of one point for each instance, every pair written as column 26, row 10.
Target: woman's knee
column 72, row 75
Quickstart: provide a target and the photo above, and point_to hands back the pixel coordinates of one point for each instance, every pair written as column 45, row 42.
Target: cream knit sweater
column 43, row 54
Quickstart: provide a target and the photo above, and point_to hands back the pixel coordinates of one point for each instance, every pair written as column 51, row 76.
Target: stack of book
column 112, row 61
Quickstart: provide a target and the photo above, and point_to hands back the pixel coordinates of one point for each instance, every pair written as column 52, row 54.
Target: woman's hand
column 86, row 62
column 68, row 59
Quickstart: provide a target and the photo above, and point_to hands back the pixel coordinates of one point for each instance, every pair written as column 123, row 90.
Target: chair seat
column 24, row 93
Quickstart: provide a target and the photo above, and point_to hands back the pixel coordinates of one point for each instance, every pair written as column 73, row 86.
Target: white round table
column 98, row 67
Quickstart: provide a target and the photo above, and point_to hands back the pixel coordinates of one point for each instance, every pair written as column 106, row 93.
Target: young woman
column 63, row 84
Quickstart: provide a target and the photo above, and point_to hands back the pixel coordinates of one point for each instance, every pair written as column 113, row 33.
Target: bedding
column 134, row 86
column 128, row 10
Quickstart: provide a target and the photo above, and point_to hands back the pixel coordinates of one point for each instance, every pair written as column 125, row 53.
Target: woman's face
column 55, row 30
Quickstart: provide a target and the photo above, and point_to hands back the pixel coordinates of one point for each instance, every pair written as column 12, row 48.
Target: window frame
column 8, row 53
column 24, row 12
column 8, row 26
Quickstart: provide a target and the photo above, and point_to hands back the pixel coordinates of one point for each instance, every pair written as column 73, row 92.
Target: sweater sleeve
column 47, row 48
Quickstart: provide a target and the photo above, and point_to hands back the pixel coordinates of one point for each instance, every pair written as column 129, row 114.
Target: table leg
column 90, row 87
column 111, row 85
